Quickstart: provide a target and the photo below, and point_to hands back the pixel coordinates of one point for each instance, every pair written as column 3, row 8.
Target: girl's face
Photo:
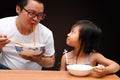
column 73, row 37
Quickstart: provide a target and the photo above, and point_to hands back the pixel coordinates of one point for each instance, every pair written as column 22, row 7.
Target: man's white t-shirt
column 10, row 57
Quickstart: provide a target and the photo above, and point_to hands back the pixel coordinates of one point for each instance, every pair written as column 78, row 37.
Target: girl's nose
column 68, row 34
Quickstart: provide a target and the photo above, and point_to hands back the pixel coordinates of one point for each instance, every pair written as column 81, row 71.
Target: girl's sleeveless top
column 87, row 63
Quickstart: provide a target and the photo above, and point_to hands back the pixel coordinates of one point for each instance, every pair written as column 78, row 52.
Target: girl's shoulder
column 96, row 55
column 66, row 53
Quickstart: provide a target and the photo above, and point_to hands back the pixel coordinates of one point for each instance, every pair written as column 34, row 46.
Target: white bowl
column 79, row 69
column 30, row 49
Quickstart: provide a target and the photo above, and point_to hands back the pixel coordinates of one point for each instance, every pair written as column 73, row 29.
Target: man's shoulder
column 44, row 28
column 4, row 19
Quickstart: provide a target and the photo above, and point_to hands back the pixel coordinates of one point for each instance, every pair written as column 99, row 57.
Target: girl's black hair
column 89, row 35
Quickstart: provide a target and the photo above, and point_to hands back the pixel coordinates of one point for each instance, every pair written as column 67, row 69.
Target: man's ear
column 18, row 10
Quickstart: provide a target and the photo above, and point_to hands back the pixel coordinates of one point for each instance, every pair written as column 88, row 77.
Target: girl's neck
column 77, row 52
column 79, row 55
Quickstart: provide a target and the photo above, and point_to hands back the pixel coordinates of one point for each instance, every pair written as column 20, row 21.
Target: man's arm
column 47, row 61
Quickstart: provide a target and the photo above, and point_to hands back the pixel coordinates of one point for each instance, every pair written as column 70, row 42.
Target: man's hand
column 3, row 41
column 34, row 58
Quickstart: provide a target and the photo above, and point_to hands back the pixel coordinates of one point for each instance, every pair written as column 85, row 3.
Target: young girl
column 84, row 37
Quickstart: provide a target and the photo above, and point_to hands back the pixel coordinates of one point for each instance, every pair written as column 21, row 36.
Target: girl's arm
column 63, row 63
column 110, row 66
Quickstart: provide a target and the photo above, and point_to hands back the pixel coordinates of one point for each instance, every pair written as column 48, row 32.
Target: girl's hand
column 100, row 68
column 98, row 71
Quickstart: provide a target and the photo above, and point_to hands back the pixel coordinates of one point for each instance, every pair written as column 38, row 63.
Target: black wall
column 61, row 14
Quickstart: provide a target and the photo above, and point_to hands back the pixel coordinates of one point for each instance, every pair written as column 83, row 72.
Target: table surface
column 47, row 75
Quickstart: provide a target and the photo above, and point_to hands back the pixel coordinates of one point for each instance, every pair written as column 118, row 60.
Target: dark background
column 62, row 14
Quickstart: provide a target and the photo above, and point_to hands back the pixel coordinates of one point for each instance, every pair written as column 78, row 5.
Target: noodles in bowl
column 79, row 69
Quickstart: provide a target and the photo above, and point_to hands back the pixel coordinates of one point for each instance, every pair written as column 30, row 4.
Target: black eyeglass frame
column 33, row 15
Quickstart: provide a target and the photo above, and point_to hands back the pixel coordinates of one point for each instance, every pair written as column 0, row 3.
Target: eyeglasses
column 32, row 14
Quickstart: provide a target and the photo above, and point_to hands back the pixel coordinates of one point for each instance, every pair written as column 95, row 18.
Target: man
column 21, row 28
